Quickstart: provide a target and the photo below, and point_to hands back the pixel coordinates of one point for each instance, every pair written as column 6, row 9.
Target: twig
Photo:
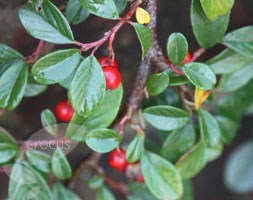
column 197, row 54
column 35, row 54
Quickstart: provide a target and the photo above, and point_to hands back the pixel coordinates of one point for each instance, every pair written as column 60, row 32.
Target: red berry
column 105, row 61
column 64, row 111
column 117, row 159
column 139, row 179
column 112, row 77
column 187, row 58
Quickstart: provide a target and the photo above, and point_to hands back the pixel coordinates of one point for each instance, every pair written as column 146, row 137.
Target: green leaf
column 234, row 81
column 8, row 146
column 60, row 165
column 8, row 57
column 103, row 116
column 33, row 88
column 139, row 191
column 208, row 33
column 188, row 191
column 195, row 159
column 161, row 177
column 75, row 13
column 62, row 193
column 105, row 8
column 48, row 23
column 210, row 130
column 39, row 160
column 56, row 66
column 48, row 121
column 88, row 87
column 200, row 75
column 103, row 140
column 157, row 83
column 238, row 172
column 13, row 83
column 145, row 37
column 214, row 152
column 66, row 83
column 166, row 118
column 228, row 128
column 228, row 61
column 26, row 182
column 96, row 181
column 241, row 41
column 216, row 8
column 104, row 194
column 177, row 48
column 135, row 149
column 178, row 142
column 121, row 5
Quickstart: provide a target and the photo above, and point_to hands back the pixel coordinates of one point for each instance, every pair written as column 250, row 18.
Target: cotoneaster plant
column 192, row 108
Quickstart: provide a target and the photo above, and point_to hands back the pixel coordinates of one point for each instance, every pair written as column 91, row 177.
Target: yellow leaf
column 200, row 97
column 142, row 16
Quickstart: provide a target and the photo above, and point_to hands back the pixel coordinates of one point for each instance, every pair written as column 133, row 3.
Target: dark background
column 173, row 16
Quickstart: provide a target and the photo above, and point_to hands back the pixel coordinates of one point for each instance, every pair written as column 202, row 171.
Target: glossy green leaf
column 39, row 160
column 210, row 130
column 200, row 75
column 103, row 140
column 60, row 165
column 234, row 81
column 177, row 48
column 228, row 61
column 195, row 160
column 208, row 33
column 12, row 85
column 161, row 177
column 139, row 191
column 8, row 146
column 238, row 172
column 96, row 181
column 75, row 13
column 88, row 87
column 66, row 83
column 103, row 116
column 48, row 23
column 121, row 5
column 26, row 182
column 56, row 66
column 33, row 88
column 62, row 193
column 228, row 128
column 241, row 41
column 48, row 121
column 214, row 152
column 105, row 8
column 145, row 37
column 8, row 56
column 166, row 118
column 216, row 8
column 104, row 194
column 135, row 149
column 178, row 142
column 157, row 83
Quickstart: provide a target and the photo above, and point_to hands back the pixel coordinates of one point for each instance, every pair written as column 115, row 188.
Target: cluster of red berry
column 110, row 69
column 117, row 160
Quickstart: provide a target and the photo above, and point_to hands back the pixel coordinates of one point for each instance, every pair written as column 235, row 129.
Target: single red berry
column 64, row 111
column 139, row 178
column 105, row 61
column 117, row 159
column 112, row 77
column 187, row 58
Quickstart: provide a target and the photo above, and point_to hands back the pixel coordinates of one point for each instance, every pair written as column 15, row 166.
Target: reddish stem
column 117, row 186
column 197, row 54
column 35, row 54
column 174, row 69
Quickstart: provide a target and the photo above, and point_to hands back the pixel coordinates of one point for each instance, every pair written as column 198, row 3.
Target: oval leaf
column 39, row 160
column 60, row 165
column 103, row 140
column 88, row 87
column 161, row 177
column 177, row 48
column 145, row 37
column 56, row 67
column 135, row 149
column 48, row 121
column 157, row 83
column 166, row 118
column 48, row 23
column 33, row 88
column 200, row 75
column 62, row 193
